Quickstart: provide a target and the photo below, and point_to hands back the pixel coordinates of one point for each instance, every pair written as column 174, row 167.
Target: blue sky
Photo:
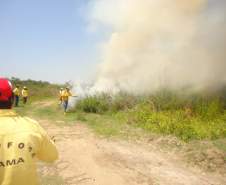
column 47, row 40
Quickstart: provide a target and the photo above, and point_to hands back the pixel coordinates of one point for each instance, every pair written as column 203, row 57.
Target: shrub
column 94, row 104
column 207, row 107
column 122, row 101
column 167, row 100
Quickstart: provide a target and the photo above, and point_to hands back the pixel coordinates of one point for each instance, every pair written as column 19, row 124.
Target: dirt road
column 86, row 159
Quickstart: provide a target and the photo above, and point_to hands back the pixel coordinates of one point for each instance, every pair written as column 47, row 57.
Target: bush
column 208, row 108
column 168, row 100
column 122, row 101
column 94, row 104
column 103, row 103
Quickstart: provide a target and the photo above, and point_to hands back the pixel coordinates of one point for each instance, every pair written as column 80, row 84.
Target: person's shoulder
column 12, row 124
column 32, row 125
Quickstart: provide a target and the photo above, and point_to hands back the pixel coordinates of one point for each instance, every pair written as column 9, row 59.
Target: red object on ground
column 6, row 91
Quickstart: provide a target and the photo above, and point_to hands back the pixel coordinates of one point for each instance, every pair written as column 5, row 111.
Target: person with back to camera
column 16, row 93
column 24, row 94
column 22, row 142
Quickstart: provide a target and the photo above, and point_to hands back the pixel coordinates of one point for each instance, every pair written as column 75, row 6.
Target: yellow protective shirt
column 65, row 95
column 16, row 92
column 24, row 93
column 22, row 143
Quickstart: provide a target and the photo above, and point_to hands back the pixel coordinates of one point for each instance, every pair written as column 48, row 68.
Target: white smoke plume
column 79, row 91
column 161, row 43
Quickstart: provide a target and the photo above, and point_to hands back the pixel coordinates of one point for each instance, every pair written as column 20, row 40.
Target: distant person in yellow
column 24, row 93
column 22, row 142
column 65, row 97
column 61, row 95
column 16, row 93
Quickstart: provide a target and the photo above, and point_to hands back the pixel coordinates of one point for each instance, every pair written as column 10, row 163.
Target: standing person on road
column 22, row 142
column 24, row 93
column 16, row 93
column 65, row 97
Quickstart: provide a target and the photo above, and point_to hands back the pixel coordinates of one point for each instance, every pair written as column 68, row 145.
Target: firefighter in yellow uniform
column 24, row 93
column 16, row 93
column 65, row 98
column 22, row 142
column 61, row 95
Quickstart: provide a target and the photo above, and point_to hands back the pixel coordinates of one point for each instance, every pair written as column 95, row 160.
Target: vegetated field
column 37, row 89
column 187, row 116
column 194, row 125
column 141, row 120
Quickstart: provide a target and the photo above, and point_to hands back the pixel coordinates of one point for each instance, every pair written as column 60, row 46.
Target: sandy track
column 86, row 159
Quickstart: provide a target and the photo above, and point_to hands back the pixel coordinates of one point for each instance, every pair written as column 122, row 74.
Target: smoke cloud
column 161, row 44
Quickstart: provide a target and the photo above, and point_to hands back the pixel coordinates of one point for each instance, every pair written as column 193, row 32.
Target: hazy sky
column 59, row 40
column 47, row 40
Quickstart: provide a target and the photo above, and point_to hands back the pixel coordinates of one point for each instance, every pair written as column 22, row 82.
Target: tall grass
column 187, row 116
column 102, row 103
column 94, row 104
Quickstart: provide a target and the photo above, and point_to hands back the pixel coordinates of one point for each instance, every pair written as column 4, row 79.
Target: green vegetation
column 199, row 119
column 43, row 102
column 189, row 117
column 37, row 89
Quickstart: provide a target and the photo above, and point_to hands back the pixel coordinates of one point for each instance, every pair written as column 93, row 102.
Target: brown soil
column 86, row 159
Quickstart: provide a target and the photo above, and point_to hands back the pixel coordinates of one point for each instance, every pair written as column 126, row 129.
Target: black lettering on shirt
column 11, row 162
column 29, row 148
column 21, row 145
column 9, row 144
column 2, row 164
column 20, row 160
